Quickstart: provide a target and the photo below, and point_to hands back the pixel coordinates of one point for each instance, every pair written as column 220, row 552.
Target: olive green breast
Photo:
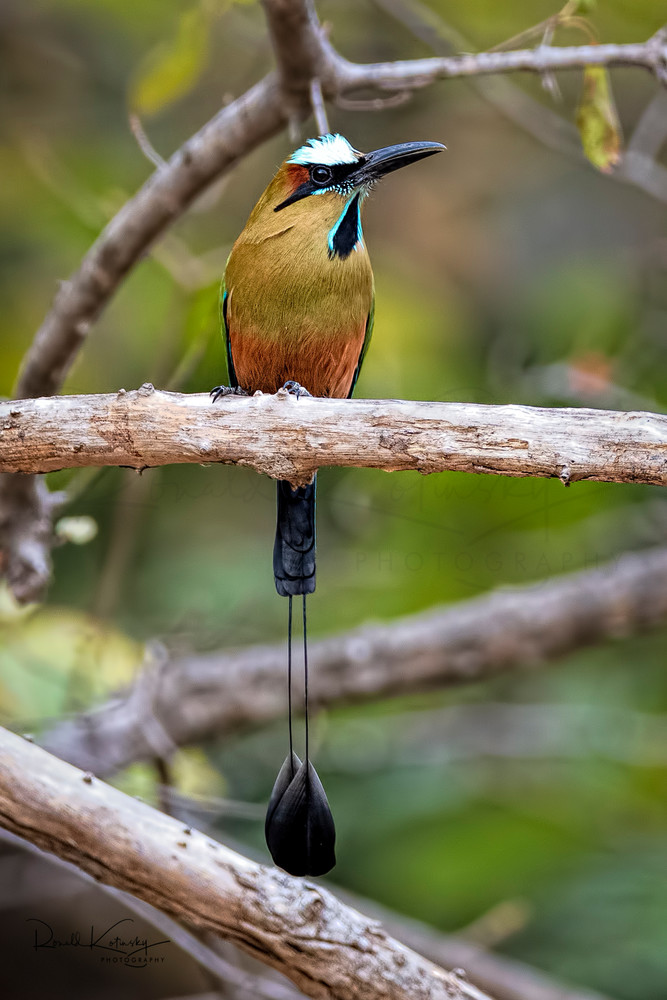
column 293, row 310
column 281, row 279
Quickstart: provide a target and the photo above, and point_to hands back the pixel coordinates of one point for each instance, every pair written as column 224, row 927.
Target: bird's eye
column 321, row 175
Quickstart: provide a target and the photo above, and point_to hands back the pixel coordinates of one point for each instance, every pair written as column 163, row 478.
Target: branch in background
column 207, row 695
column 289, row 438
column 505, row 978
column 511, row 100
column 326, row 948
column 416, row 73
column 638, row 166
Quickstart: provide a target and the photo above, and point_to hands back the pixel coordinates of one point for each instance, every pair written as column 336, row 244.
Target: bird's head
column 330, row 165
column 323, row 183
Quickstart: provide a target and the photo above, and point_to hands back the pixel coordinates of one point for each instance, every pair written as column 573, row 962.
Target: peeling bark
column 328, row 949
column 290, row 439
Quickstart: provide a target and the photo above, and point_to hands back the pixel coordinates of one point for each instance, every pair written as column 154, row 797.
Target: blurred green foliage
column 597, row 120
column 505, row 272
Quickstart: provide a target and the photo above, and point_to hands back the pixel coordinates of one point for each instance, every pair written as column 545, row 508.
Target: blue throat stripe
column 335, row 250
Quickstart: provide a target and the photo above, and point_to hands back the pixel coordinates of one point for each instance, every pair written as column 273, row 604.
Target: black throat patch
column 347, row 232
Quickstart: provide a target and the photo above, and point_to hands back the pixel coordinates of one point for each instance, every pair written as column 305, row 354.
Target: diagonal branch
column 507, row 978
column 217, row 693
column 290, row 439
column 326, row 948
column 234, row 132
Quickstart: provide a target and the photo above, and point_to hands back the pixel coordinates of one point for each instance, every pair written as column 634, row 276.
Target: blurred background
column 506, row 271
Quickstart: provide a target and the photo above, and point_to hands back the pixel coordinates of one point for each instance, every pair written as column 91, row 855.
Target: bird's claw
column 226, row 390
column 295, row 389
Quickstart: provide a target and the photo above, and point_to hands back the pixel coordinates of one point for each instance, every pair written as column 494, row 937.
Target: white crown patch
column 330, row 149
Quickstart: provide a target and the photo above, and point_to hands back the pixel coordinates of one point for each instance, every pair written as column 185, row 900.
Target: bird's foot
column 226, row 390
column 295, row 389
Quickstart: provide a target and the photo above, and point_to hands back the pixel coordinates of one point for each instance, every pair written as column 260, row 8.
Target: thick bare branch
column 326, row 948
column 504, row 977
column 207, row 695
column 290, row 438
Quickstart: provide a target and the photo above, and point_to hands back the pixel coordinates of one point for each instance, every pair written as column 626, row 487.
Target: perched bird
column 297, row 312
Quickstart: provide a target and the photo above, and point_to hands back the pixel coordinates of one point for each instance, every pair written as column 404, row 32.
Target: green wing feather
column 231, row 374
column 364, row 346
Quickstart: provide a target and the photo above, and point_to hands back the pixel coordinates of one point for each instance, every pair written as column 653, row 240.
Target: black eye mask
column 339, row 178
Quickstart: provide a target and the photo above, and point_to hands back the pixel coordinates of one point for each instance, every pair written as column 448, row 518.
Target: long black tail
column 300, row 830
column 294, row 548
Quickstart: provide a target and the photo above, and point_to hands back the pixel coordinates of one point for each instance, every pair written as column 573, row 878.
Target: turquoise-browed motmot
column 297, row 312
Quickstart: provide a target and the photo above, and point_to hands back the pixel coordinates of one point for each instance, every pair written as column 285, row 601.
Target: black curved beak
column 383, row 161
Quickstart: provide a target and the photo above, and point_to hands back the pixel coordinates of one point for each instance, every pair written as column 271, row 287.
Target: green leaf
column 597, row 120
column 56, row 659
column 173, row 67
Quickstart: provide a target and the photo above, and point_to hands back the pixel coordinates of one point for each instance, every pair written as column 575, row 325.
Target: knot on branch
column 658, row 48
column 301, row 51
column 26, row 535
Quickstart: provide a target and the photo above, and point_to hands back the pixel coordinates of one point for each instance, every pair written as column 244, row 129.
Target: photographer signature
column 131, row 951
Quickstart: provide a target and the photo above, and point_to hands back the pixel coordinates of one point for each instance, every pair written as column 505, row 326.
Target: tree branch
column 506, row 978
column 207, row 695
column 290, row 439
column 297, row 39
column 414, row 73
column 326, row 948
